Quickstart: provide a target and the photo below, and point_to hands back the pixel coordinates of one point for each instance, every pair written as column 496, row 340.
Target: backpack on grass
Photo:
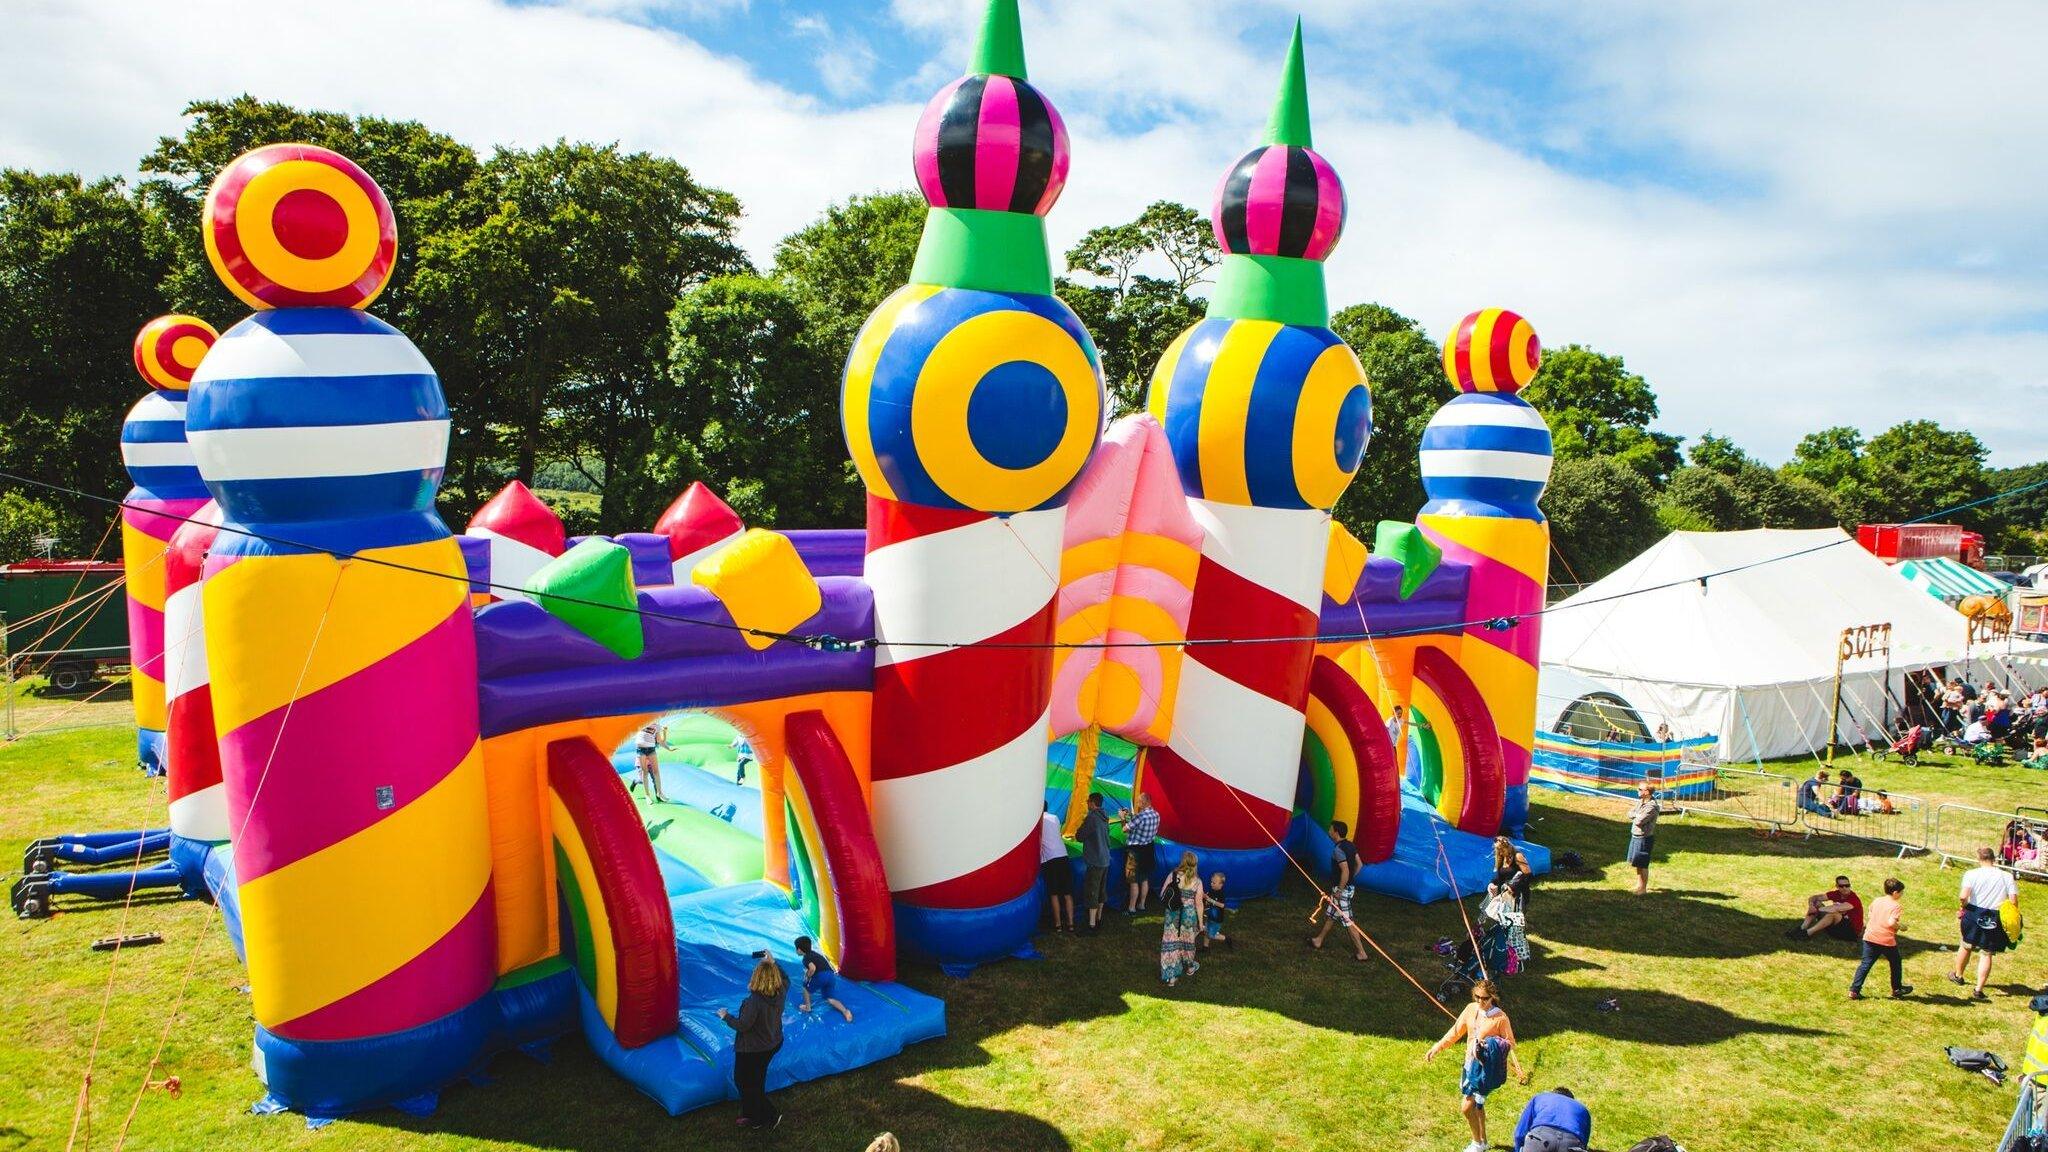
column 1977, row 1060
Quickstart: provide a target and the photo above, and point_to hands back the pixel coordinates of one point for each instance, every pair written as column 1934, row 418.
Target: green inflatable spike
column 1406, row 543
column 590, row 588
column 1289, row 122
column 1283, row 288
column 1000, row 50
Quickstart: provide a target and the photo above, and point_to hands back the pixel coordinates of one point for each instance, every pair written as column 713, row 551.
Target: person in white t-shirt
column 1057, row 873
column 1985, row 889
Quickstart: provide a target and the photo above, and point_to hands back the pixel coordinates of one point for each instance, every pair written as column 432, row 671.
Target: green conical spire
column 1289, row 123
column 1283, row 288
column 1000, row 50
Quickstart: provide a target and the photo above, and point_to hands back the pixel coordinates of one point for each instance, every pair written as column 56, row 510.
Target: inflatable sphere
column 1279, row 201
column 168, row 350
column 992, row 143
column 1492, row 350
column 297, row 226
column 1487, row 448
column 1262, row 413
column 306, row 414
column 957, row 398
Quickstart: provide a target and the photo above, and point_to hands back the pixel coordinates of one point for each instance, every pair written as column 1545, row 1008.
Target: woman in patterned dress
column 1182, row 898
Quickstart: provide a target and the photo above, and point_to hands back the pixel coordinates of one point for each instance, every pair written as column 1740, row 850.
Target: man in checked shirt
column 1141, row 847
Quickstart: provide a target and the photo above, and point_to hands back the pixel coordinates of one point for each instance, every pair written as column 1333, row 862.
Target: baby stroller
column 1502, row 945
column 1908, row 746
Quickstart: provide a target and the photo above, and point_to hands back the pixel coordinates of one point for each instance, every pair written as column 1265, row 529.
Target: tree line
column 601, row 336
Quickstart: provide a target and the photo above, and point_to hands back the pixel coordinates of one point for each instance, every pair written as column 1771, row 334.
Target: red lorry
column 1894, row 542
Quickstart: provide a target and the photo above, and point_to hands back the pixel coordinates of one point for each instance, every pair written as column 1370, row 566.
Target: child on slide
column 819, row 979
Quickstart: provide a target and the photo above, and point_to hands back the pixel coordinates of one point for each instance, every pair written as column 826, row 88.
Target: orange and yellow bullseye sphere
column 1492, row 350
column 169, row 348
column 299, row 226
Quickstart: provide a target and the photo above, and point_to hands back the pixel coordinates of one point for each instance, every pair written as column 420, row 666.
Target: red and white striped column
column 1225, row 779
column 960, row 732
column 199, row 805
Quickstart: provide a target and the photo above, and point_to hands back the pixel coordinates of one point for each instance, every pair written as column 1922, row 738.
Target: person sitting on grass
column 1553, row 1121
column 1837, row 912
column 1809, row 794
column 819, row 980
column 2037, row 756
column 1848, row 786
column 1977, row 732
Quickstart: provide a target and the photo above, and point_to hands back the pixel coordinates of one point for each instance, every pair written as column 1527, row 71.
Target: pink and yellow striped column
column 343, row 665
column 159, row 461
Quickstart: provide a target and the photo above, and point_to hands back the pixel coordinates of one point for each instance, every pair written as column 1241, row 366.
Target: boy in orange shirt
column 1881, row 938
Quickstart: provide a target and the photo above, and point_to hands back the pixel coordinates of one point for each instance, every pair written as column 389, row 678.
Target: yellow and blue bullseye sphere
column 957, row 398
column 1263, row 414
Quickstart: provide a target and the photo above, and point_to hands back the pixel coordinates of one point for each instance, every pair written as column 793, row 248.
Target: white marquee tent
column 1735, row 634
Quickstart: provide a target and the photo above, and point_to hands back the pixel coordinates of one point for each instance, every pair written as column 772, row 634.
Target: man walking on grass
column 1985, row 889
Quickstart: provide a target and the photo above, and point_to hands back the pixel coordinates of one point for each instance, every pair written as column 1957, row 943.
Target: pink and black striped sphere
column 993, row 143
column 1279, row 200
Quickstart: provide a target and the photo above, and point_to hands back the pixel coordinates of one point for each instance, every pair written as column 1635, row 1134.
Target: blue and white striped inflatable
column 1487, row 454
column 373, row 470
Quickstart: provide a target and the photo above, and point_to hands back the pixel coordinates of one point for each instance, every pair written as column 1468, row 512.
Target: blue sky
column 1784, row 215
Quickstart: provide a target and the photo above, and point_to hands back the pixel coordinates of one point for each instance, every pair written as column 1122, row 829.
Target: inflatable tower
column 1485, row 461
column 1268, row 414
column 167, row 486
column 339, row 639
column 198, row 798
column 972, row 400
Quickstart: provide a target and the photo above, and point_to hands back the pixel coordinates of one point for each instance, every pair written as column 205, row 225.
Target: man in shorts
column 1055, row 872
column 1336, row 906
column 1094, row 837
column 1141, row 844
column 1837, row 912
column 1986, row 888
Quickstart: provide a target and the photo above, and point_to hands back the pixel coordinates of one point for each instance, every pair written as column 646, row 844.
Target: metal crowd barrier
column 1960, row 829
column 1877, row 814
column 1750, row 796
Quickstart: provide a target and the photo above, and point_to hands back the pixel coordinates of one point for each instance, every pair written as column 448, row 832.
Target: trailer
column 64, row 619
column 1895, row 542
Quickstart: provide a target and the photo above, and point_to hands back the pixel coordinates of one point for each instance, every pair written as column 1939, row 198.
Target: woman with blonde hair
column 1181, row 899
column 759, row 1024
column 1489, row 1056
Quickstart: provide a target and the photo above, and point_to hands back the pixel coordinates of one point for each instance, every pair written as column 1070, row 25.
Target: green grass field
column 1728, row 1036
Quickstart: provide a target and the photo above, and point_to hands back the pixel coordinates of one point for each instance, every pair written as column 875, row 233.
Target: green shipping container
column 87, row 631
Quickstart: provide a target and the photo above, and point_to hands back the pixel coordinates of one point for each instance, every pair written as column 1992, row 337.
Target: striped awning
column 1948, row 580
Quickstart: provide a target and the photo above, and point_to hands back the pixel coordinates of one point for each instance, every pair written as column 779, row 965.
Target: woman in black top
column 759, row 1025
column 1511, row 871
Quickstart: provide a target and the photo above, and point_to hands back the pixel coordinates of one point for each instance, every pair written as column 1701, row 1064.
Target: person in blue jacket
column 1553, row 1121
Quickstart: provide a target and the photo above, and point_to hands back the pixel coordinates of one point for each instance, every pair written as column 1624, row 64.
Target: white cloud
column 1864, row 246
column 92, row 86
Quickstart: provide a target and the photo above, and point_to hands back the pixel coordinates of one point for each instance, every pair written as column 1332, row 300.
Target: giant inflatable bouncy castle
column 408, row 764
